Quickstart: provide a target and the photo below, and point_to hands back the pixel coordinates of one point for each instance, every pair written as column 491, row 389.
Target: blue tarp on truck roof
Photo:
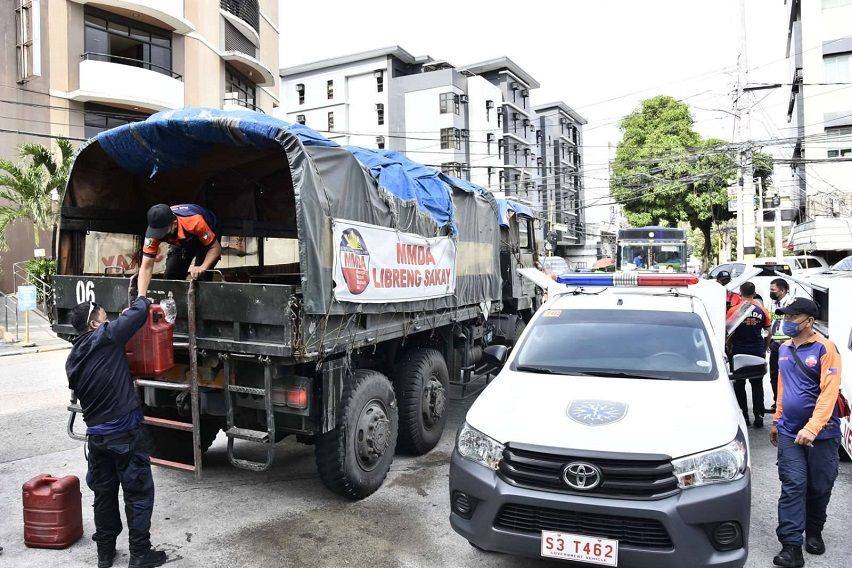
column 507, row 207
column 176, row 138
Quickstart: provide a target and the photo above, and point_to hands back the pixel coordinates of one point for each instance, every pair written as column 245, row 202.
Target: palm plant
column 30, row 188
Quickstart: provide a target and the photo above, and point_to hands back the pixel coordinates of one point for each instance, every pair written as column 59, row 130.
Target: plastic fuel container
column 150, row 352
column 53, row 514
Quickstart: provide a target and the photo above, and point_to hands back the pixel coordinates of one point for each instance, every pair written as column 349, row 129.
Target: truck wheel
column 354, row 458
column 422, row 384
column 176, row 445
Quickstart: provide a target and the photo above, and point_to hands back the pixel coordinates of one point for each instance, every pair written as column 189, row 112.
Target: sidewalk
column 41, row 338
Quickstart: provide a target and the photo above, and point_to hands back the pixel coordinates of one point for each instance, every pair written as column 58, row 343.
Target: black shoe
column 758, row 421
column 106, row 555
column 150, row 559
column 814, row 544
column 789, row 557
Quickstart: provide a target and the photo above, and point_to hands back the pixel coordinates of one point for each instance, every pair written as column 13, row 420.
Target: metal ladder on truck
column 191, row 387
column 267, row 438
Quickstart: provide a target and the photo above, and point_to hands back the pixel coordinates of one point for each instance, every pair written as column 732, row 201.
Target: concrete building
column 558, row 130
column 435, row 113
column 73, row 68
column 819, row 48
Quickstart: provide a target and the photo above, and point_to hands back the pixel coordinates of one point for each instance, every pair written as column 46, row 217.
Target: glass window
column 300, row 90
column 109, row 37
column 240, row 88
column 449, row 103
column 329, row 89
column 630, row 343
column 380, row 142
column 300, row 118
column 839, row 141
column 450, row 138
column 98, row 118
column 330, row 121
column 838, row 67
column 380, row 113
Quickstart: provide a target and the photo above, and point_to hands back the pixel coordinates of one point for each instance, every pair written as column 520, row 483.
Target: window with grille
column 330, row 121
column 112, row 38
column 450, row 139
column 380, row 114
column 300, row 90
column 380, row 80
column 380, row 142
column 839, row 141
column 329, row 89
column 239, row 89
column 452, row 168
column 28, row 39
column 236, row 41
column 449, row 103
column 300, row 118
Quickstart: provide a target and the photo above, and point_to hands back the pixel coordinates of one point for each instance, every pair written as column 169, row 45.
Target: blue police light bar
column 627, row 279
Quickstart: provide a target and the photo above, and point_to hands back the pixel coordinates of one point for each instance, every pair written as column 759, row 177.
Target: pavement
column 42, row 338
column 285, row 516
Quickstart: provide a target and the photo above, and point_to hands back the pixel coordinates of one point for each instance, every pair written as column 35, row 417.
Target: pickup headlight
column 476, row 446
column 727, row 463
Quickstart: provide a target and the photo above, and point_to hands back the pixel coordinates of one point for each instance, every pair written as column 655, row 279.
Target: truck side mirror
column 495, row 356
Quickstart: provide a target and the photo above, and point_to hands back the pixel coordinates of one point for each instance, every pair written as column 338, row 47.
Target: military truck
column 355, row 287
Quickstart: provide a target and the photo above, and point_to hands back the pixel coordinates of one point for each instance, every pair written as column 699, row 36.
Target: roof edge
column 564, row 108
column 393, row 50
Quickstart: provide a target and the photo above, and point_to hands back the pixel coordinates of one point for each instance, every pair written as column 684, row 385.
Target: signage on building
column 375, row 264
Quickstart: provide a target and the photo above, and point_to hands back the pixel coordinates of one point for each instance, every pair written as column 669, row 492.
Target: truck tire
column 422, row 385
column 354, row 458
column 176, row 445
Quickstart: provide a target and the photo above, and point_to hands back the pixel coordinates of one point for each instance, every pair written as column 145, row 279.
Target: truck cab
column 651, row 249
column 586, row 446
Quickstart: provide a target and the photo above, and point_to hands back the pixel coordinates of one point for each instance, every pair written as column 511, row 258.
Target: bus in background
column 654, row 249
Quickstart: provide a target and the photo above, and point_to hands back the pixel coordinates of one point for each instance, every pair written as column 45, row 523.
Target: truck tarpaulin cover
column 380, row 189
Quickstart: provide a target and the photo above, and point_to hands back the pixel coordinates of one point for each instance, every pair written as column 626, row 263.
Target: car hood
column 674, row 418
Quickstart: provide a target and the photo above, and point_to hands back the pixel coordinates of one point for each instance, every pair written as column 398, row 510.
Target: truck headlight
column 476, row 446
column 727, row 463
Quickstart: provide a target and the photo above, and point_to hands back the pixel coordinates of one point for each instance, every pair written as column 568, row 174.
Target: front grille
column 629, row 531
column 620, row 477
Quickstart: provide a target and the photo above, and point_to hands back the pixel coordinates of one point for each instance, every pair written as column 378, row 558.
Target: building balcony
column 251, row 67
column 167, row 13
column 141, row 85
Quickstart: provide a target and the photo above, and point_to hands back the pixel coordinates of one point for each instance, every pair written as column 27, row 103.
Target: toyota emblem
column 581, row 476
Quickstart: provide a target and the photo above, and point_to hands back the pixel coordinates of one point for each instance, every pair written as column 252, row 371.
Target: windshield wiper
column 626, row 375
column 534, row 369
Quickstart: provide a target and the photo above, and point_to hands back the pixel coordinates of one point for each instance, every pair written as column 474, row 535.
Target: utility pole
column 779, row 234
column 760, row 189
column 745, row 193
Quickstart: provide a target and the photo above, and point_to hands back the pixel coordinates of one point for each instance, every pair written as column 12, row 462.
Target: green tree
column 664, row 172
column 31, row 186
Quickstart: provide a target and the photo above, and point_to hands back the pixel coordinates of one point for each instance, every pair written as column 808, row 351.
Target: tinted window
column 652, row 344
column 736, row 269
column 772, row 269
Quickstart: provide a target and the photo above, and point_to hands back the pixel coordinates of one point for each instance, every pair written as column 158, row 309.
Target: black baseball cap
column 160, row 218
column 800, row 306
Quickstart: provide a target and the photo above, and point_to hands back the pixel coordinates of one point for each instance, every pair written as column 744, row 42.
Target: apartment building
column 74, row 68
column 434, row 112
column 558, row 131
column 819, row 49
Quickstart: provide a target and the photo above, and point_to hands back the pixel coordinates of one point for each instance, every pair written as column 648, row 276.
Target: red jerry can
column 53, row 511
column 150, row 352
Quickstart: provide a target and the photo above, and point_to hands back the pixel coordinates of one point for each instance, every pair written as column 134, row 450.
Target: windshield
column 555, row 264
column 632, row 343
column 658, row 257
column 845, row 264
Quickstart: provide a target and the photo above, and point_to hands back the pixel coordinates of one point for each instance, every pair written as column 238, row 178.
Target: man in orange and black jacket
column 806, row 430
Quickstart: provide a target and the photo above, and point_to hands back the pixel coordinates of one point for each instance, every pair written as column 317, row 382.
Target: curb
column 30, row 350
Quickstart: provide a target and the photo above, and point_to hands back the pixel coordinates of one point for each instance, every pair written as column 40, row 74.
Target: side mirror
column 743, row 361
column 495, row 356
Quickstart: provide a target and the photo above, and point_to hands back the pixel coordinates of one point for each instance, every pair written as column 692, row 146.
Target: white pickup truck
column 611, row 436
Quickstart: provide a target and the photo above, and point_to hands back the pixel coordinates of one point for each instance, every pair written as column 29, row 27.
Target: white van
column 611, row 435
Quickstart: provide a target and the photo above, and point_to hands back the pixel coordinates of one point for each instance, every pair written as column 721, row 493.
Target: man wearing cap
column 731, row 298
column 194, row 247
column 806, row 430
column 780, row 296
column 119, row 448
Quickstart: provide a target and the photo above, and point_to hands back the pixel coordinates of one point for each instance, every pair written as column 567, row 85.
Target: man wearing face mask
column 806, row 430
column 118, row 447
column 190, row 231
column 779, row 294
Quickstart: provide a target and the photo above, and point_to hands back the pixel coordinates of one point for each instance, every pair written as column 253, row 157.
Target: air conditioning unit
column 465, row 133
column 525, row 93
column 563, row 121
column 489, row 104
column 463, row 99
column 526, row 122
column 514, row 86
column 527, row 151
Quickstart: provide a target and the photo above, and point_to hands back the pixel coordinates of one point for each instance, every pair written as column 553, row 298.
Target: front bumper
column 685, row 517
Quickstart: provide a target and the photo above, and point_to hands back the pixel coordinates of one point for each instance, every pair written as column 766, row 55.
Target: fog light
column 727, row 536
column 462, row 504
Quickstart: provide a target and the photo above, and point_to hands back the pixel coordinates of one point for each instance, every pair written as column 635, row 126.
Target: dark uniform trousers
column 180, row 258
column 122, row 460
column 774, row 346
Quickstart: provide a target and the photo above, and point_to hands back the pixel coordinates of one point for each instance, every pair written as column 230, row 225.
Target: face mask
column 774, row 295
column 791, row 328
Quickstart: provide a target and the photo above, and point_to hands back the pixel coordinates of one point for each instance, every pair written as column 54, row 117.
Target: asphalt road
column 285, row 516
